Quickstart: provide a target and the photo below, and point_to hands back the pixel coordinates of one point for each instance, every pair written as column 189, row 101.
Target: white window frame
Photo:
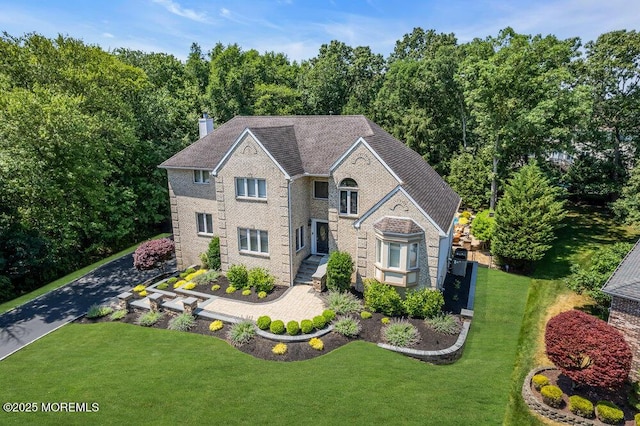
column 383, row 254
column 314, row 189
column 300, row 238
column 246, row 187
column 200, row 178
column 259, row 234
column 349, row 192
column 207, row 219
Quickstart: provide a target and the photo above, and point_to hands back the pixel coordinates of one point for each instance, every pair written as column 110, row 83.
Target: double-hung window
column 205, row 223
column 348, row 197
column 200, row 176
column 300, row 238
column 251, row 188
column 253, row 240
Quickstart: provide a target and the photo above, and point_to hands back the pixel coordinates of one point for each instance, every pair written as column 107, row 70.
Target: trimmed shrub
column 263, row 322
column 139, row 288
column 633, row 398
column 293, row 328
column 213, row 254
column 329, row 314
column 216, row 325
column 206, row 278
column 246, row 292
column 306, row 326
column 444, row 323
column 262, row 295
column 182, row 322
column 97, row 311
column 118, row 315
column 143, row 293
column 551, row 395
column 587, row 349
column 189, row 286
column 279, row 349
column 401, row 333
column 183, row 275
column 319, row 321
column 380, row 297
column 339, row 270
column 365, row 315
column 162, row 286
column 423, row 303
column 261, row 280
column 316, row 344
column 609, row 413
column 147, row 319
column 190, row 270
column 179, row 284
column 230, row 289
column 636, row 418
column 215, row 287
column 347, row 326
column 277, row 327
column 172, row 280
column 385, row 320
column 539, row 381
column 241, row 333
column 581, row 406
column 238, row 276
column 153, row 254
column 343, row 303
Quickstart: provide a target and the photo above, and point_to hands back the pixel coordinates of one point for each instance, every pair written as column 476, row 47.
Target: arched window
column 348, row 197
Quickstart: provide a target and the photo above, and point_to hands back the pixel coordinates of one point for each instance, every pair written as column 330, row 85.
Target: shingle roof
column 625, row 280
column 396, row 225
column 311, row 144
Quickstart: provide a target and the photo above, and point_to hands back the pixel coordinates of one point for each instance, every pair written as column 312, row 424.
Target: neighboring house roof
column 625, row 280
column 394, row 225
column 312, row 144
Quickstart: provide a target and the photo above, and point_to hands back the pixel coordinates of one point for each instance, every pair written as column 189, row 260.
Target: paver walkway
column 298, row 303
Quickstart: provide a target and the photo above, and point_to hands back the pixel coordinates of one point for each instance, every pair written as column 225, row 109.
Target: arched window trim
column 348, row 197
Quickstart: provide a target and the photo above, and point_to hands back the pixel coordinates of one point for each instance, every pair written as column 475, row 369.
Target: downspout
column 290, row 240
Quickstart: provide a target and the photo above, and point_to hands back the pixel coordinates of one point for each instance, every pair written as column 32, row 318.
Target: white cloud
column 108, row 35
column 176, row 9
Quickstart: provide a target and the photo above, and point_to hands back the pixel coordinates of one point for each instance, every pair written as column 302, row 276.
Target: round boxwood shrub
column 328, row 314
column 172, row 280
column 609, row 413
column 306, row 326
column 380, row 297
column 365, row 315
column 551, row 395
column 277, row 327
column 293, row 328
column 581, row 406
column 339, row 270
column 423, row 303
column 263, row 322
column 246, row 292
column 262, row 295
column 539, row 380
column 238, row 276
column 319, row 321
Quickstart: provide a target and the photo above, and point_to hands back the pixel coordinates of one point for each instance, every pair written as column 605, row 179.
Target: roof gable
column 625, row 280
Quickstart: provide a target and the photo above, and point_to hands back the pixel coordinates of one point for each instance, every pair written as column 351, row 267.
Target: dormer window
column 200, row 176
column 348, row 197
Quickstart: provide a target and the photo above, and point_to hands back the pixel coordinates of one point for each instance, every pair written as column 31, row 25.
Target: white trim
column 386, row 198
column 237, row 142
column 314, row 244
column 375, row 154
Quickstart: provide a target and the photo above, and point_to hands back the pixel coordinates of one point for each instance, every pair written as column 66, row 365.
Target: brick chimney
column 205, row 125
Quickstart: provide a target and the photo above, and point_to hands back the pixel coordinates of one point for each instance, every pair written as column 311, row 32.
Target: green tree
column 470, row 177
column 627, row 207
column 527, row 217
column 484, row 225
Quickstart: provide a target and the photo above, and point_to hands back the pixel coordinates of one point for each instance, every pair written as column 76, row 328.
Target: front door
column 321, row 231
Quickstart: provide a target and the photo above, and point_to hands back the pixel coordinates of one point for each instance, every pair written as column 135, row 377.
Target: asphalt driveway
column 52, row 310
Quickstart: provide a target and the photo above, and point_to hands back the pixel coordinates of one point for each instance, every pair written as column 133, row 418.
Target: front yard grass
column 141, row 376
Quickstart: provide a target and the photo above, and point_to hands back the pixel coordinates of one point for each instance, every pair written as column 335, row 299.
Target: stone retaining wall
column 543, row 409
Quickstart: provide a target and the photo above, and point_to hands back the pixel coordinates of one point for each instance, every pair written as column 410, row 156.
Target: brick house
column 277, row 190
column 624, row 314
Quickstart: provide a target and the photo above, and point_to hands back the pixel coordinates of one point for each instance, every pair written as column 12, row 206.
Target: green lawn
column 7, row 306
column 140, row 375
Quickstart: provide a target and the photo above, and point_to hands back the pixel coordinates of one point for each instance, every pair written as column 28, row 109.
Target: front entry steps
column 307, row 269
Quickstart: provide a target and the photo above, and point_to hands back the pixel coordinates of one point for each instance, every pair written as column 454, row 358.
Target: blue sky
column 298, row 28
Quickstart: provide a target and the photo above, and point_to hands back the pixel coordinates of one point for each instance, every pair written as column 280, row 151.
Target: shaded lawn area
column 143, row 376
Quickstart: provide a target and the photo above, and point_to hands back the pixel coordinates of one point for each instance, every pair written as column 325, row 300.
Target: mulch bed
column 261, row 347
column 594, row 394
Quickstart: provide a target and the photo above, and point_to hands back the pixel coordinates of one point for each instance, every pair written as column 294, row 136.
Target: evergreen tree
column 526, row 218
column 627, row 207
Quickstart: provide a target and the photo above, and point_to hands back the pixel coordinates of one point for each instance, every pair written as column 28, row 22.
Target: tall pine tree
column 526, row 218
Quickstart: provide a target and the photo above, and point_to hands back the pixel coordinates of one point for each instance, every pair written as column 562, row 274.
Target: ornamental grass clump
column 347, row 326
column 279, row 349
column 182, row 322
column 206, row 278
column 118, row 315
column 581, row 406
column 343, row 303
column 316, row 344
column 551, row 395
column 539, row 381
column 609, row 413
column 444, row 323
column 401, row 333
column 241, row 333
column 148, row 319
column 277, row 327
column 216, row 325
column 97, row 311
